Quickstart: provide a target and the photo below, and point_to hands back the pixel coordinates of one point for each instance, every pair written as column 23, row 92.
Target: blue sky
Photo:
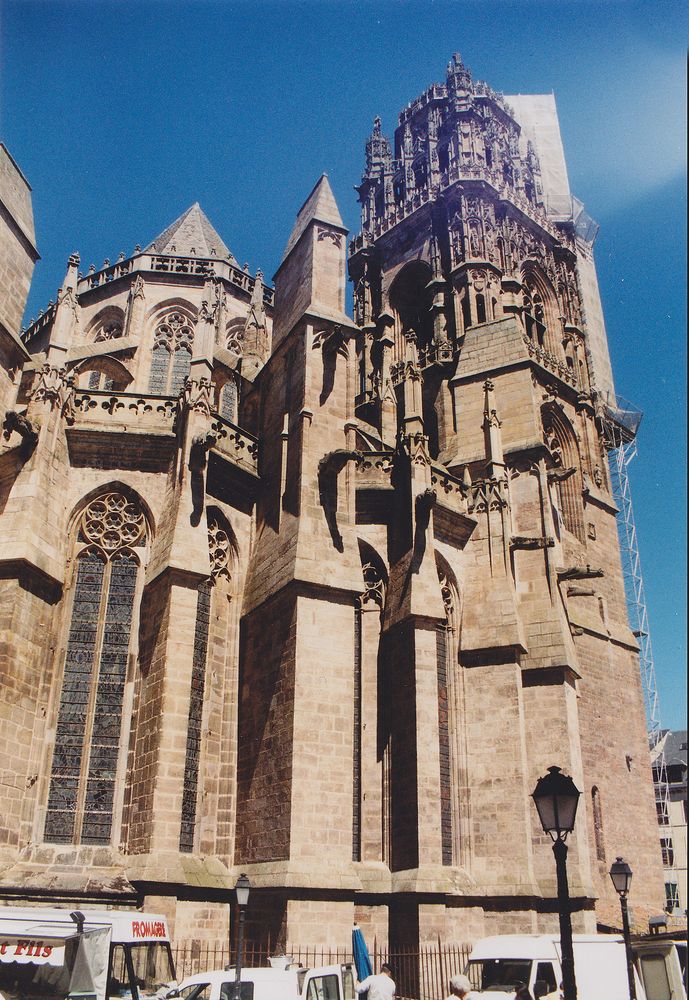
column 122, row 114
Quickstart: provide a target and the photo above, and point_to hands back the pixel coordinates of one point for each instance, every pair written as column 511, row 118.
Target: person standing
column 380, row 987
column 460, row 986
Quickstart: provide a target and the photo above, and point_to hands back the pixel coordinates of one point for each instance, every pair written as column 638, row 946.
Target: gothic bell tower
column 481, row 352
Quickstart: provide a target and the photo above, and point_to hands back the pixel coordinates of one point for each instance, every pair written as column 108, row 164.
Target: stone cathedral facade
column 317, row 598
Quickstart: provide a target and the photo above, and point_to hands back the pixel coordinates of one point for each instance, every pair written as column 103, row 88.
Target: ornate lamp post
column 621, row 875
column 242, row 889
column 556, row 798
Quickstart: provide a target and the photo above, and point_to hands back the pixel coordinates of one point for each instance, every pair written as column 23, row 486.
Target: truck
column 499, row 965
column 661, row 960
column 290, row 982
column 52, row 953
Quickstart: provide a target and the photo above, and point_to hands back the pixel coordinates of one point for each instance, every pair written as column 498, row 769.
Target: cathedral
column 318, row 598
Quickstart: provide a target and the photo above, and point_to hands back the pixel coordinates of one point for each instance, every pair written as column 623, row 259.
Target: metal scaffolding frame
column 619, row 422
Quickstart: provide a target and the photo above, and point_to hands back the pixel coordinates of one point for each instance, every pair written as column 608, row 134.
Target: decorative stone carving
column 220, row 550
column 112, row 521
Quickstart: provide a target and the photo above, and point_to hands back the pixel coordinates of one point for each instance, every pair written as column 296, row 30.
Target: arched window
column 371, row 792
column 227, row 401
column 98, row 380
column 111, row 536
column 221, row 550
column 566, row 476
column 234, row 335
column 411, row 303
column 446, row 655
column 108, row 324
column 171, row 356
column 598, row 823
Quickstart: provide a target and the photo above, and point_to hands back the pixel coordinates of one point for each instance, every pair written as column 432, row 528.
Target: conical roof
column 192, row 235
column 320, row 205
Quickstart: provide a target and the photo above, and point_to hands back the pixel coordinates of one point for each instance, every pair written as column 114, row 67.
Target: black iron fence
column 419, row 973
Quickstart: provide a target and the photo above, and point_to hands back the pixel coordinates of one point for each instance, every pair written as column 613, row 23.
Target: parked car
column 327, row 982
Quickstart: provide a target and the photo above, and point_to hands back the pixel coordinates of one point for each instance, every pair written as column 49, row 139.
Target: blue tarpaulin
column 360, row 952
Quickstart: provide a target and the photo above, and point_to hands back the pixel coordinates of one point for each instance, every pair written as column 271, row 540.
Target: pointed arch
column 107, row 324
column 541, row 309
column 110, row 531
column 411, row 303
column 598, row 832
column 371, row 826
column 561, row 439
column 227, row 394
column 173, row 325
column 447, row 639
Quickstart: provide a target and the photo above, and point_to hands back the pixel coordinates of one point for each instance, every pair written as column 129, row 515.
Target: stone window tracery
column 227, row 401
column 96, row 379
column 234, row 336
column 171, row 356
column 81, row 797
column 110, row 330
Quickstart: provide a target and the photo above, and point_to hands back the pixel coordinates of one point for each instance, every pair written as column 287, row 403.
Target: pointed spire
column 378, row 150
column 191, row 235
column 321, row 206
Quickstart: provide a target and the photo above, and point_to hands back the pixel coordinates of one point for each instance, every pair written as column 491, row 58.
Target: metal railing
column 420, row 973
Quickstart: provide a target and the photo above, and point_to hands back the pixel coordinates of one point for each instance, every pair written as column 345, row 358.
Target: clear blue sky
column 122, row 114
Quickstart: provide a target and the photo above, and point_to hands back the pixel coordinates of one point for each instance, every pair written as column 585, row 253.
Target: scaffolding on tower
column 619, row 422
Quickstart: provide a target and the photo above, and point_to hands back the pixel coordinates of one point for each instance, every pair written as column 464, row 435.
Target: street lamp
column 556, row 798
column 621, row 875
column 242, row 889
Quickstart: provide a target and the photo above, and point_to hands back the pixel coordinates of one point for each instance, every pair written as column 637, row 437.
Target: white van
column 499, row 965
column 54, row 954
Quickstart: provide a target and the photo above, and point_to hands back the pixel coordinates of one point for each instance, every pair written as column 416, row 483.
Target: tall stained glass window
column 171, row 356
column 88, row 735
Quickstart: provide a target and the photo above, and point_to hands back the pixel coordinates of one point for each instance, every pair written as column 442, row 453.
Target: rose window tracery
column 113, row 521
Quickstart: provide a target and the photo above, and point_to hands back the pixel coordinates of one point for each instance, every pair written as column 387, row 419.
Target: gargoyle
column 424, row 504
column 198, row 458
column 22, row 425
column 198, row 452
column 559, row 475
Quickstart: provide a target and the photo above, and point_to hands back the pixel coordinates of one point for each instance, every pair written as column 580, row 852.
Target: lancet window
column 227, row 400
column 99, row 380
column 598, row 823
column 566, row 476
column 220, row 552
column 81, row 800
column 371, row 813
column 171, row 356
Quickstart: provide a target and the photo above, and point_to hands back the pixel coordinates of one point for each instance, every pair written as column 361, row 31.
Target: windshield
column 500, row 975
column 152, row 964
